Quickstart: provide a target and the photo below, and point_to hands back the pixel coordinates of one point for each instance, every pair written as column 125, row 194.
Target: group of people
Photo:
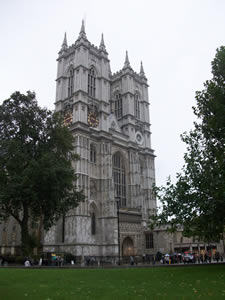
column 208, row 257
column 204, row 257
column 90, row 260
column 134, row 260
column 57, row 260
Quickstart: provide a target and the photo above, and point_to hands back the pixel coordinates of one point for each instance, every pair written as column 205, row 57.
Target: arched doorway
column 128, row 247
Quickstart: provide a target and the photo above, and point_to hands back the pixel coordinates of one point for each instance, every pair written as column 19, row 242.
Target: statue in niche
column 93, row 188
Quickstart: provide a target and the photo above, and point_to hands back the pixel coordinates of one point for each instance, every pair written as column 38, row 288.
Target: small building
column 170, row 242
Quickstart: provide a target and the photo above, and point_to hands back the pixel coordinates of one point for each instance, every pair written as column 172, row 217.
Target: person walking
column 217, row 256
column 131, row 260
column 40, row 262
column 143, row 258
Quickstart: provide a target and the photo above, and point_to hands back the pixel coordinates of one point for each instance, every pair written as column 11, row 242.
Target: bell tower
column 129, row 102
column 108, row 115
column 83, row 82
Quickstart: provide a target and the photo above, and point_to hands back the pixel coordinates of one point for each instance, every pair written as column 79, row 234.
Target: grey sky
column 175, row 39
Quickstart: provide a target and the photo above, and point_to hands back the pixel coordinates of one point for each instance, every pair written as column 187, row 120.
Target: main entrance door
column 128, row 246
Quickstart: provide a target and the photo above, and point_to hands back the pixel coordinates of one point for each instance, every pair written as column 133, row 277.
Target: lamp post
column 118, row 224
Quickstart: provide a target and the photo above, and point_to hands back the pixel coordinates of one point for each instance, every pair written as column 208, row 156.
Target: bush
column 36, row 259
column 10, row 259
column 158, row 256
column 19, row 260
column 68, row 257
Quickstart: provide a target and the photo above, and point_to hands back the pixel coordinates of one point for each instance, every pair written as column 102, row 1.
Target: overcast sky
column 175, row 39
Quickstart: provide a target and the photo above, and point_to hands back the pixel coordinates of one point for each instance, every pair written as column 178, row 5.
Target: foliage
column 68, row 257
column 197, row 200
column 36, row 173
column 19, row 260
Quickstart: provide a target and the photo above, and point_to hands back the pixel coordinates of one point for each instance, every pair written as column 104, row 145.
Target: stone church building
column 108, row 114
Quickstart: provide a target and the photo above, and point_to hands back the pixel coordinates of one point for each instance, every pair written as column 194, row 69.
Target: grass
column 200, row 282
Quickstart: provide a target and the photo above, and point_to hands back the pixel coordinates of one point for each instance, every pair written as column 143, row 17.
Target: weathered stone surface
column 127, row 134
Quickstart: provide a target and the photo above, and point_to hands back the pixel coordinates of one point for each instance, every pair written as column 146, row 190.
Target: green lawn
column 200, row 282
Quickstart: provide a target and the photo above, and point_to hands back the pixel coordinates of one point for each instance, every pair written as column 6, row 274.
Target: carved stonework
column 106, row 209
column 107, row 120
column 93, row 188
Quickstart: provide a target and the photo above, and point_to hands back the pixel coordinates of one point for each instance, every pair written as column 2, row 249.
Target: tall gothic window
column 70, row 82
column 91, row 82
column 136, row 106
column 149, row 240
column 92, row 153
column 119, row 179
column 118, row 106
column 63, row 229
column 93, row 223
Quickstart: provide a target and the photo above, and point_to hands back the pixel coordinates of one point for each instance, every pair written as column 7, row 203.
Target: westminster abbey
column 108, row 114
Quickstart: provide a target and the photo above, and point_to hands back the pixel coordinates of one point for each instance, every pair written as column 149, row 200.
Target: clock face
column 68, row 118
column 139, row 138
column 93, row 120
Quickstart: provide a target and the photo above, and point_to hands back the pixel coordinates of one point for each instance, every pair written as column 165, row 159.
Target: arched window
column 119, row 179
column 136, row 106
column 93, row 223
column 118, row 106
column 92, row 153
column 149, row 242
column 70, row 82
column 91, row 82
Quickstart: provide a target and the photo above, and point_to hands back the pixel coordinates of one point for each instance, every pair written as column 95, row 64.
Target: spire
column 64, row 44
column 102, row 44
column 82, row 31
column 126, row 63
column 142, row 73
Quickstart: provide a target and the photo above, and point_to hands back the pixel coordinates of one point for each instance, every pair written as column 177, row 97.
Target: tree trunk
column 223, row 245
column 39, row 233
column 25, row 237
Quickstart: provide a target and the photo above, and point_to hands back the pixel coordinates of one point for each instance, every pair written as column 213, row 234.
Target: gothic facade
column 108, row 115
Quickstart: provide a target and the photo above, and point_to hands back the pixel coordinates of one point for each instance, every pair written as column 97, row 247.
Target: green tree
column 197, row 199
column 37, row 179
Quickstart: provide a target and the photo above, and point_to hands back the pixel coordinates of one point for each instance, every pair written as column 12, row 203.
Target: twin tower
column 108, row 114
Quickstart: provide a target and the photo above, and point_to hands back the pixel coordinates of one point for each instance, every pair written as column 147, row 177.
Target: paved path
column 110, row 266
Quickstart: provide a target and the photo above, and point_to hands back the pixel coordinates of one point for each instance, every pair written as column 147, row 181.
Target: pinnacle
column 126, row 63
column 102, row 44
column 82, row 31
column 142, row 73
column 65, row 40
column 64, row 44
